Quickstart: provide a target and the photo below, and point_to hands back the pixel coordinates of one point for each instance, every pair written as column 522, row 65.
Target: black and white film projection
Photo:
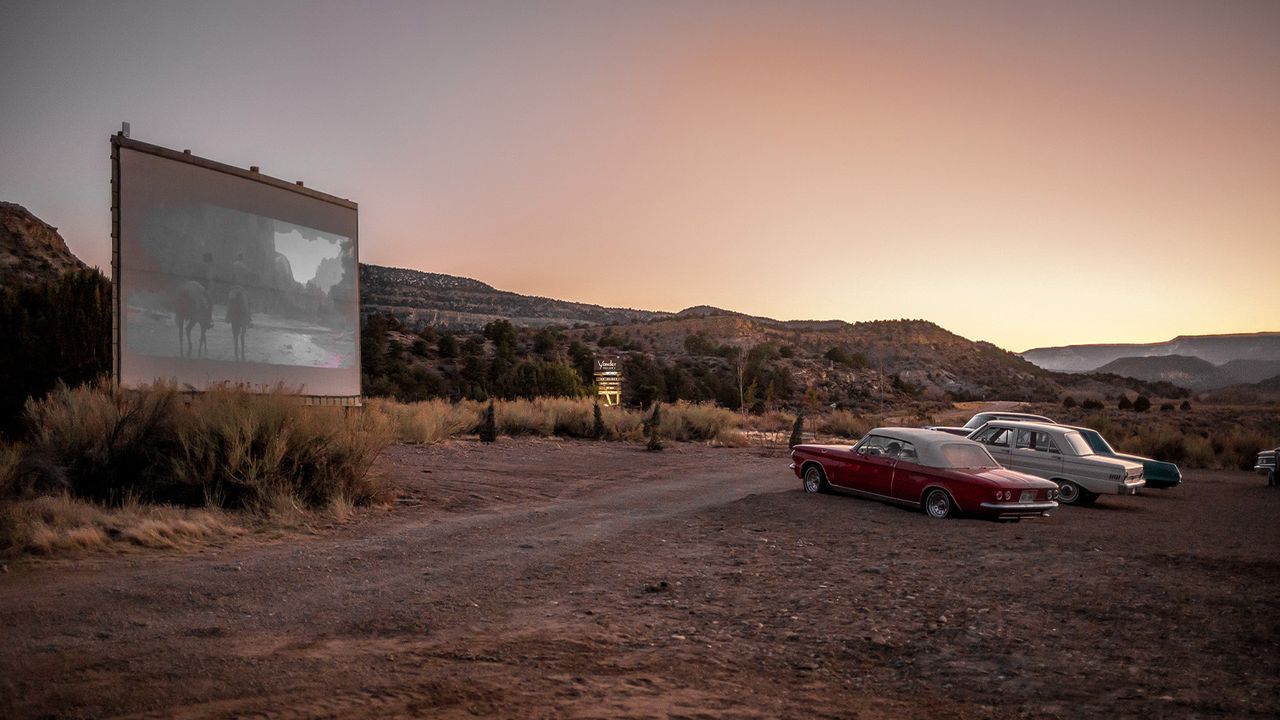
column 229, row 277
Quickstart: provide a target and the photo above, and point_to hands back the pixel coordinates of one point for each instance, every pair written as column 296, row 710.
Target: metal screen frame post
column 115, row 258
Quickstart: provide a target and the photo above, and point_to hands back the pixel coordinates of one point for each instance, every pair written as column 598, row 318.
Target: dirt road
column 546, row 579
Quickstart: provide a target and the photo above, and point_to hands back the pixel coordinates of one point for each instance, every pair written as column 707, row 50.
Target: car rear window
column 1077, row 443
column 964, row 455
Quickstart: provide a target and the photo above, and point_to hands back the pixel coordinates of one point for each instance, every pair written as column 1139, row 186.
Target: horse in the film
column 239, row 317
column 192, row 307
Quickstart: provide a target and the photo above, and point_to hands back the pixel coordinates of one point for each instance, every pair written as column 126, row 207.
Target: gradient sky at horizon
column 1117, row 162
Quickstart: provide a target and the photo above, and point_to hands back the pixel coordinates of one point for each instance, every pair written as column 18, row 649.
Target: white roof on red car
column 932, row 446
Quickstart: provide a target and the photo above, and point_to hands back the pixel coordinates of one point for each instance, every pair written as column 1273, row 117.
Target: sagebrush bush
column 99, row 442
column 698, row 422
column 844, row 424
column 224, row 447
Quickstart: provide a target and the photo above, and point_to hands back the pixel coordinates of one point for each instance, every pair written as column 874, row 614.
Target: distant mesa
column 1197, row 362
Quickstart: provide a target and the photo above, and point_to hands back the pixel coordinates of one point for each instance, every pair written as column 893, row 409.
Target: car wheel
column 814, row 480
column 1069, row 493
column 938, row 504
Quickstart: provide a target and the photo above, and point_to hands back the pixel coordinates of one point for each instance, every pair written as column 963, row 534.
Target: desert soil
column 569, row 579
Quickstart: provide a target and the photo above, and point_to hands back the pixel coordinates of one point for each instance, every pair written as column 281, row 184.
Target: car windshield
column 976, row 421
column 966, row 455
column 1077, row 443
column 1097, row 443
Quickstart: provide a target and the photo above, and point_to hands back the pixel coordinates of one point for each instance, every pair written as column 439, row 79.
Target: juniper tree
column 597, row 428
column 797, row 430
column 655, row 425
column 489, row 427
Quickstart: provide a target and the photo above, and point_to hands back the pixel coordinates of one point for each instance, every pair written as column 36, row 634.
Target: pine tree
column 489, row 428
column 797, row 430
column 655, row 427
column 597, row 428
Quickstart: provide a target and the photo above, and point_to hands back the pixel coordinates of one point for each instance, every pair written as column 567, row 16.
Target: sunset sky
column 1026, row 173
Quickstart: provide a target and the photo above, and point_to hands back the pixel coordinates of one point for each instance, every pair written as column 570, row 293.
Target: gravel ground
column 539, row 578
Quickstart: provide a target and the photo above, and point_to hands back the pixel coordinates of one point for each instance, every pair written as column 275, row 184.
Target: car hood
column 1005, row 477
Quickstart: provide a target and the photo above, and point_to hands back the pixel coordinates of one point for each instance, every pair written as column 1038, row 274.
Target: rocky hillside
column 420, row 299
column 698, row 354
column 30, row 248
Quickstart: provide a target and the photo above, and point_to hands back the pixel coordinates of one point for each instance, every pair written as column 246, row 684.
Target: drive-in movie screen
column 226, row 279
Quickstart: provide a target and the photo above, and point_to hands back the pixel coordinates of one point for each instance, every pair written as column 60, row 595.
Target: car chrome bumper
column 1130, row 488
column 1020, row 508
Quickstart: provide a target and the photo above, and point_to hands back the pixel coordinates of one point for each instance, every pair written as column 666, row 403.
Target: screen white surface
column 267, row 275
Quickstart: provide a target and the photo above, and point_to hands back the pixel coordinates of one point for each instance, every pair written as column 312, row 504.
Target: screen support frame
column 122, row 140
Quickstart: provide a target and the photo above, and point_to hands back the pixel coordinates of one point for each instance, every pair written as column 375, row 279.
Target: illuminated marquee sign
column 609, row 380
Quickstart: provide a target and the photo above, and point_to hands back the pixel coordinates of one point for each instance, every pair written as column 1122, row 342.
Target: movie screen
column 228, row 280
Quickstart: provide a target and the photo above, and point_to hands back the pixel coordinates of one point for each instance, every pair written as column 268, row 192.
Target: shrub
column 1142, row 404
column 1186, row 405
column 655, row 428
column 1124, row 403
column 488, row 426
column 1068, row 402
column 842, row 423
column 224, row 447
column 99, row 442
column 797, row 431
column 699, row 422
column 597, row 422
column 431, row 421
column 1091, row 404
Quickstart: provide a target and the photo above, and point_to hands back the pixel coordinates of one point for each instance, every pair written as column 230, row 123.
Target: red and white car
column 942, row 474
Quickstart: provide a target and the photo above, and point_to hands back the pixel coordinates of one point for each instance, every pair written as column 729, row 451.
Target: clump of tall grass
column 844, row 424
column 225, row 447
column 431, row 421
column 99, row 443
column 700, row 422
column 59, row 523
column 258, row 451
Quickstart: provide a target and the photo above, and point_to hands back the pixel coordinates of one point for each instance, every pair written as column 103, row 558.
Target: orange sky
column 1015, row 172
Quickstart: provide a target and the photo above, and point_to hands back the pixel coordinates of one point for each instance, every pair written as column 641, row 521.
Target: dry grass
column 60, row 524
column 223, row 448
column 701, row 422
column 437, row 420
column 843, row 424
column 431, row 421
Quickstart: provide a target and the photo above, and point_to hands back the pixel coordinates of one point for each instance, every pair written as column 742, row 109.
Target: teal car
column 1157, row 474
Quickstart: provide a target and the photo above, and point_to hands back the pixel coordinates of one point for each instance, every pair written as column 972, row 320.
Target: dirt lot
column 571, row 579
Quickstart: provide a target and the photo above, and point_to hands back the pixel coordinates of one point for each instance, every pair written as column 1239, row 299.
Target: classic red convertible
column 941, row 473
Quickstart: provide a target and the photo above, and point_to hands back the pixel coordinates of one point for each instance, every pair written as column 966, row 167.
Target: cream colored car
column 1060, row 454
